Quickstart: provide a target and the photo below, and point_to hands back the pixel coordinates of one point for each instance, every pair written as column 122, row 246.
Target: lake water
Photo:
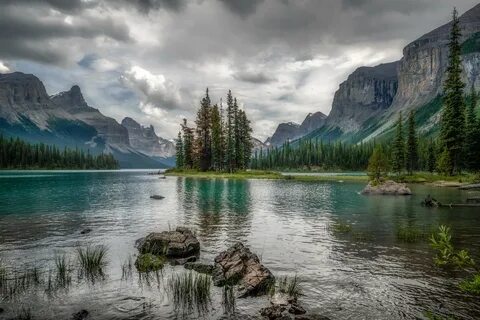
column 366, row 274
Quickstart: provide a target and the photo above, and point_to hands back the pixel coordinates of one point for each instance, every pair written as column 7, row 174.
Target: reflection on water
column 365, row 274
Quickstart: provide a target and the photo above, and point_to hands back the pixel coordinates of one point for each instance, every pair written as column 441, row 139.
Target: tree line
column 218, row 142
column 18, row 154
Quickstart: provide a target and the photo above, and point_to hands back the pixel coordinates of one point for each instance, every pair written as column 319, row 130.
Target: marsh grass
column 63, row 271
column 290, row 286
column 228, row 299
column 127, row 267
column 412, row 234
column 146, row 279
column 340, row 227
column 92, row 261
column 472, row 285
column 191, row 291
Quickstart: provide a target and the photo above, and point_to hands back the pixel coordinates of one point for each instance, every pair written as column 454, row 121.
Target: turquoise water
column 367, row 274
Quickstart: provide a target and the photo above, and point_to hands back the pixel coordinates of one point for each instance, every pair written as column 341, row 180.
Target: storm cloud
column 153, row 59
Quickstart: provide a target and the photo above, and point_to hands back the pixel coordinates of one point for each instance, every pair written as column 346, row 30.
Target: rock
column 295, row 308
column 180, row 243
column 157, row 197
column 82, row 314
column 238, row 265
column 199, row 267
column 85, row 231
column 388, row 187
column 275, row 312
column 183, row 261
column 430, row 202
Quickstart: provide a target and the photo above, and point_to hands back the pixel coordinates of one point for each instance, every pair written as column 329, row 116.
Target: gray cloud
column 253, row 77
column 299, row 51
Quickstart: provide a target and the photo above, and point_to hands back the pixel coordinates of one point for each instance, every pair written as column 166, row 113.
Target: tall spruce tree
column 398, row 152
column 203, row 130
column 179, row 162
column 188, row 150
column 472, row 134
column 452, row 131
column 432, row 157
column 237, row 135
column 217, row 139
column 411, row 155
column 230, row 134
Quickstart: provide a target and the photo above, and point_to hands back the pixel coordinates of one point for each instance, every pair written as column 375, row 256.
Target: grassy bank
column 259, row 174
column 427, row 177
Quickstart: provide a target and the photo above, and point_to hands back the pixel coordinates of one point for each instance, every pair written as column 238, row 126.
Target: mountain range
column 367, row 103
column 65, row 119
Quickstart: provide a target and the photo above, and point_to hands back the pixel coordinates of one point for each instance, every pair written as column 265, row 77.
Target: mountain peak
column 70, row 99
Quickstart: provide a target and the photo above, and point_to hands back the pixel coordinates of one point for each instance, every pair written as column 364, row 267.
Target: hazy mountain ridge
column 65, row 119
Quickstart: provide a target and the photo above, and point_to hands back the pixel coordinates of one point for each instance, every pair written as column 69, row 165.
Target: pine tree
column 188, row 154
column 217, row 139
column 452, row 130
column 472, row 134
column 411, row 156
column 204, row 127
column 444, row 162
column 377, row 164
column 237, row 126
column 179, row 152
column 230, row 134
column 398, row 154
column 432, row 157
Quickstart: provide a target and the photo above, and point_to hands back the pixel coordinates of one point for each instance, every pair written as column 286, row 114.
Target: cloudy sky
column 153, row 59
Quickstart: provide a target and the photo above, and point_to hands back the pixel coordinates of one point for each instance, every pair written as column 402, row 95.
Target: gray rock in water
column 81, row 315
column 1, row 310
column 180, row 243
column 199, row 267
column 388, row 187
column 238, row 265
column 85, row 231
column 157, row 197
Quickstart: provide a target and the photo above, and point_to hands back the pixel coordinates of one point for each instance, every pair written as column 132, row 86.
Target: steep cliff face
column 108, row 128
column 422, row 70
column 146, row 140
column 367, row 92
column 312, row 122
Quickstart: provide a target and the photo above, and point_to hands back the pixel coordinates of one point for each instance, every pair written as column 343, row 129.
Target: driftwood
column 457, row 205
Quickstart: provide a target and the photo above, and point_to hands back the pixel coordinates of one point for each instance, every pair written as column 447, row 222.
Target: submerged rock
column 388, row 187
column 85, row 231
column 81, row 315
column 157, row 197
column 199, row 267
column 238, row 265
column 430, row 202
column 180, row 243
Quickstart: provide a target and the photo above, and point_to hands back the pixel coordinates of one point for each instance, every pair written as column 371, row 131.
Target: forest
column 18, row 154
column 218, row 142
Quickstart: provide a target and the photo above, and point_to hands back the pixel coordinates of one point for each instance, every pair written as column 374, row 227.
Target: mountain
column 292, row 131
column 145, row 140
column 64, row 119
column 367, row 104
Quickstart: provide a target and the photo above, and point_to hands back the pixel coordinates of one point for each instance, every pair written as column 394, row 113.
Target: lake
column 365, row 274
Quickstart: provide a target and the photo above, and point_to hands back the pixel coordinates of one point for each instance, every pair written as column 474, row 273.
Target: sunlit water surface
column 367, row 274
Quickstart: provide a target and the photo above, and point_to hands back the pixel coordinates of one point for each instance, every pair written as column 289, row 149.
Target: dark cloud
column 146, row 6
column 253, row 77
column 62, row 5
column 242, row 7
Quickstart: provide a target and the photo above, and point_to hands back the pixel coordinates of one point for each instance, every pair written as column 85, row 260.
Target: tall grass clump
column 191, row 290
column 62, row 268
column 127, row 268
column 290, row 286
column 228, row 299
column 92, row 261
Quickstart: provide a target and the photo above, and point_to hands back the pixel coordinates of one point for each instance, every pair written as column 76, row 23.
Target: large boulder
column 388, row 187
column 173, row 244
column 238, row 265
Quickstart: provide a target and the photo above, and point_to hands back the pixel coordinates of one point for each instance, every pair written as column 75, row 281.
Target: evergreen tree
column 472, row 135
column 411, row 156
column 452, row 130
column 432, row 157
column 230, row 134
column 217, row 139
column 188, row 151
column 203, row 130
column 444, row 162
column 377, row 164
column 237, row 135
column 398, row 154
column 179, row 152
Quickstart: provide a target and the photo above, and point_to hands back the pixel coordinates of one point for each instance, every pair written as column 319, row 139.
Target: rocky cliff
column 146, row 140
column 292, row 131
column 367, row 92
